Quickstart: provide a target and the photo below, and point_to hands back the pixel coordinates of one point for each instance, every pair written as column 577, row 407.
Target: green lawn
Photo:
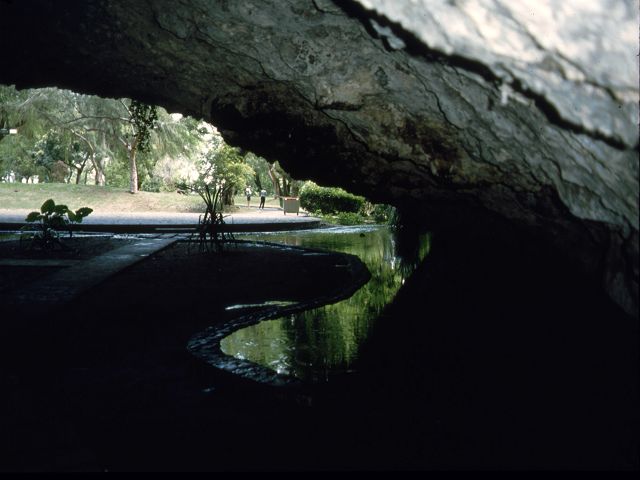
column 8, row 236
column 108, row 199
column 101, row 199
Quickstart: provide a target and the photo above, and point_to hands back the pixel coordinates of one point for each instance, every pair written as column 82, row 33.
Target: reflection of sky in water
column 317, row 343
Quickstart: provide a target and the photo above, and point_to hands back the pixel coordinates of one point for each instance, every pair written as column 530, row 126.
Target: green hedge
column 314, row 198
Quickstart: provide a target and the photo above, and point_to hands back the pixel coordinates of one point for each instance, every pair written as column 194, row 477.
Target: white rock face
column 578, row 60
column 581, row 56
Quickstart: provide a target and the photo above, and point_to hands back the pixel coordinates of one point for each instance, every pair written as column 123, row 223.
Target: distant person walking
column 263, row 197
column 247, row 192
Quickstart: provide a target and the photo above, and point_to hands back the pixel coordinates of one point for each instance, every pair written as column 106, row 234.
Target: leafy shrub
column 44, row 225
column 382, row 213
column 210, row 234
column 117, row 174
column 349, row 218
column 153, row 184
column 329, row 199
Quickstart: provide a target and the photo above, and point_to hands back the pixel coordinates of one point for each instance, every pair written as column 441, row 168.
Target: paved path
column 64, row 285
column 245, row 220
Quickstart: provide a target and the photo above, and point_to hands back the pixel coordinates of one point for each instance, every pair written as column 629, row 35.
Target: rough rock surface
column 527, row 110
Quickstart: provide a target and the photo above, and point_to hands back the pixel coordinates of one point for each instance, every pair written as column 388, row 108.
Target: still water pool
column 316, row 344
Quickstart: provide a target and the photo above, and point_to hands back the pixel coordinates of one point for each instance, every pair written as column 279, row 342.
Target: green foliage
column 382, row 213
column 261, row 172
column 144, row 118
column 221, row 171
column 44, row 224
column 153, row 184
column 349, row 218
column 47, row 152
column 78, row 215
column 225, row 165
column 61, row 132
column 286, row 186
column 210, row 234
column 145, row 162
column 342, row 218
column 57, row 153
column 15, row 155
column 44, row 142
column 328, row 200
column 117, row 173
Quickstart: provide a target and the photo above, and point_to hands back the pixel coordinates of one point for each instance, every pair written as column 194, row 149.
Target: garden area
column 121, row 155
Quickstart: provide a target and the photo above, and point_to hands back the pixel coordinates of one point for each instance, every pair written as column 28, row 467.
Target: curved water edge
column 284, row 343
column 206, row 344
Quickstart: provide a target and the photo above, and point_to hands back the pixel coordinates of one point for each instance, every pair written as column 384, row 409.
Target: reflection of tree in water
column 312, row 344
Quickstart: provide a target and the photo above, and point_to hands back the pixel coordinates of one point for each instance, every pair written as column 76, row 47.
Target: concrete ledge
column 157, row 222
column 179, row 228
column 62, row 286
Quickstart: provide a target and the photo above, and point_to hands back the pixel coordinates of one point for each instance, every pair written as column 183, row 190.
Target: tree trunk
column 274, row 180
column 227, row 197
column 98, row 165
column 258, row 181
column 98, row 162
column 99, row 177
column 286, row 187
column 133, row 169
column 80, row 169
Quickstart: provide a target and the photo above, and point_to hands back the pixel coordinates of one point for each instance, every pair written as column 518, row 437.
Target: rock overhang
column 506, row 107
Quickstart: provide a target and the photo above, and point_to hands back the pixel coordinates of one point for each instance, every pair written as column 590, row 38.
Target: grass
column 101, row 199
column 107, row 199
column 8, row 236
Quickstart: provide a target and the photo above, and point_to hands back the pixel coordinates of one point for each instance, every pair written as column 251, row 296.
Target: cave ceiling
column 526, row 109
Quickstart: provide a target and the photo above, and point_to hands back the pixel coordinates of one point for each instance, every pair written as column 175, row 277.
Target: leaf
column 61, row 209
column 72, row 216
column 83, row 212
column 58, row 222
column 48, row 206
column 33, row 217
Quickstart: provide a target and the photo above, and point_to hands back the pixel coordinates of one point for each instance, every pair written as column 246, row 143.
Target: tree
column 15, row 156
column 101, row 123
column 62, row 147
column 261, row 172
column 226, row 163
column 19, row 109
column 142, row 120
column 95, row 130
column 151, row 132
column 177, row 143
column 51, row 113
column 283, row 184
